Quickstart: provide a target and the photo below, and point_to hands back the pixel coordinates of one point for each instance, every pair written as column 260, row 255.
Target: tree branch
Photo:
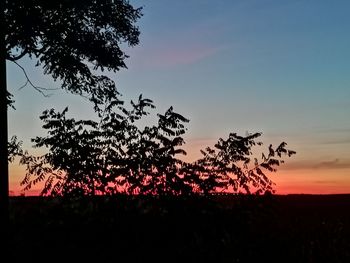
column 13, row 59
column 28, row 81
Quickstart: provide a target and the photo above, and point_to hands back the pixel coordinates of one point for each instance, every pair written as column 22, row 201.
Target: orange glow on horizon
column 303, row 182
column 325, row 181
column 287, row 179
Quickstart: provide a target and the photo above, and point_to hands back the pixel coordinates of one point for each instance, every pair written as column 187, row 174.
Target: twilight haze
column 277, row 67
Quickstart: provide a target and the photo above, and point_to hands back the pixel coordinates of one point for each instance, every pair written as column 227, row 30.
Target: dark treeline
column 211, row 228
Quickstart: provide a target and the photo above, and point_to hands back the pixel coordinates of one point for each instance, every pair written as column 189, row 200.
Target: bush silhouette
column 117, row 155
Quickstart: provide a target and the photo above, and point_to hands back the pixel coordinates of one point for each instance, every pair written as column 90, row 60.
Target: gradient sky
column 277, row 67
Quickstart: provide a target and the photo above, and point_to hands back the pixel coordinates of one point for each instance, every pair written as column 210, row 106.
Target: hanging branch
column 28, row 81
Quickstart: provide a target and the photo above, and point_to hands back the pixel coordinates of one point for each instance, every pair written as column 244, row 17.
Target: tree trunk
column 4, row 179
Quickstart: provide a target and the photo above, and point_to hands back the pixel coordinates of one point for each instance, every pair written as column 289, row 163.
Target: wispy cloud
column 313, row 165
column 334, row 164
column 182, row 56
column 333, row 130
column 169, row 56
column 333, row 135
column 180, row 45
column 327, row 182
column 336, row 141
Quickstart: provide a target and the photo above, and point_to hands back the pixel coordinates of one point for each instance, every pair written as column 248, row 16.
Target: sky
column 277, row 67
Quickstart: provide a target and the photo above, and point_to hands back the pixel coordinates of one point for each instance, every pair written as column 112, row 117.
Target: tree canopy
column 70, row 39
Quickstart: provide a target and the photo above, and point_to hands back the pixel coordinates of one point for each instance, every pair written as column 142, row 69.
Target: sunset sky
column 277, row 67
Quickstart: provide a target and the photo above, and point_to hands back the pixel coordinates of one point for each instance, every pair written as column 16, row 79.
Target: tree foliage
column 118, row 155
column 232, row 165
column 71, row 39
column 14, row 147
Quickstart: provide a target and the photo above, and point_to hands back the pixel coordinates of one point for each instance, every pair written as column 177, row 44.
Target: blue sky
column 279, row 67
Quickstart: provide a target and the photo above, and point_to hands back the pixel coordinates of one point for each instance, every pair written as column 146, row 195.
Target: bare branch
column 28, row 81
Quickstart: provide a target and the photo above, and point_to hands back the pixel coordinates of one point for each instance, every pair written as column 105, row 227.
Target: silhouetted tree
column 116, row 155
column 232, row 167
column 110, row 156
column 67, row 38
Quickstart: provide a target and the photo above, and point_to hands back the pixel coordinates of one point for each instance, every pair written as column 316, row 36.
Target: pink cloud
column 183, row 56
column 314, row 165
column 166, row 57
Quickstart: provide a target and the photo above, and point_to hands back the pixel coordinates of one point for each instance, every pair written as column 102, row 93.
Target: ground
column 294, row 228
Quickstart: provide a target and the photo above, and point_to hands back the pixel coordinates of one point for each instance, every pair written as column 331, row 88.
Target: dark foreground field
column 215, row 229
